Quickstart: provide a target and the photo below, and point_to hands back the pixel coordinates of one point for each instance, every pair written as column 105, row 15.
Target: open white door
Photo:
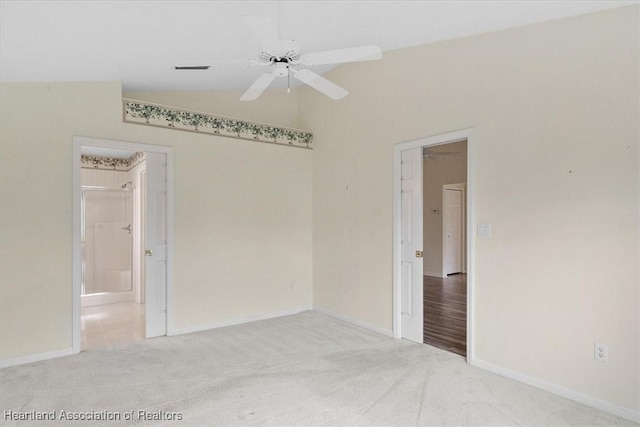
column 411, row 245
column 453, row 230
column 155, row 237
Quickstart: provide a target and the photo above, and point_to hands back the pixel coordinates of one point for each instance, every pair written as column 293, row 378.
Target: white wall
column 554, row 111
column 242, row 213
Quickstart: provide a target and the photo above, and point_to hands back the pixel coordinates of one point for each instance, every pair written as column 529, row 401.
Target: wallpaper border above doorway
column 149, row 114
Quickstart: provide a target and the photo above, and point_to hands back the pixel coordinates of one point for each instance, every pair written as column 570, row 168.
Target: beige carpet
column 306, row 369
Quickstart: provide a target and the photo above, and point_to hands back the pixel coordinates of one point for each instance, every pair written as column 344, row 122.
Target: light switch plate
column 484, row 230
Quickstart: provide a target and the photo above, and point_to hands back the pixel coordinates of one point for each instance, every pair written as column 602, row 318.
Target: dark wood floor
column 445, row 312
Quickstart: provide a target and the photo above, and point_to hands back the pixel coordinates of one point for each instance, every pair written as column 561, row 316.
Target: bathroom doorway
column 112, row 302
column 123, row 241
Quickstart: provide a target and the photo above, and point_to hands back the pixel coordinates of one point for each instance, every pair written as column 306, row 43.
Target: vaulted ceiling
column 138, row 42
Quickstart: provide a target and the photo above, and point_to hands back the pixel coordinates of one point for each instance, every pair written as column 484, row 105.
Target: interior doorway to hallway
column 436, row 301
column 444, row 228
column 122, row 248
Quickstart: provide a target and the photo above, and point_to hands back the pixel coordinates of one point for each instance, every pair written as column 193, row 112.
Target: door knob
column 148, row 252
column 418, row 254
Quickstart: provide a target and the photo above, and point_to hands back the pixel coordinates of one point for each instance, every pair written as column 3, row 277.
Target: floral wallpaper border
column 111, row 163
column 175, row 118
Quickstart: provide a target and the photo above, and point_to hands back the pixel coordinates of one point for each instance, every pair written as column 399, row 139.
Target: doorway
column 123, row 195
column 112, row 310
column 436, row 153
column 444, row 280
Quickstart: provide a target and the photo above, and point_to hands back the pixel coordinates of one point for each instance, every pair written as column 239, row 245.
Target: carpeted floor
column 305, row 369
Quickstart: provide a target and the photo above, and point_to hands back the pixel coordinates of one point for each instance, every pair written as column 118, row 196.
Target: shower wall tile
column 103, row 178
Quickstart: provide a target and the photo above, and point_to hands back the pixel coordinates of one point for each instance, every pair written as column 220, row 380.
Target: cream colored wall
column 242, row 213
column 554, row 111
column 444, row 169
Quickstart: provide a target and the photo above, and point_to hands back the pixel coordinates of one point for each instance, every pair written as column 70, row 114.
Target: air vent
column 192, row 67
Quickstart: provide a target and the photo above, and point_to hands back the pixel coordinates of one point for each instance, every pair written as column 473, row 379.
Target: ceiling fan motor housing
column 281, row 68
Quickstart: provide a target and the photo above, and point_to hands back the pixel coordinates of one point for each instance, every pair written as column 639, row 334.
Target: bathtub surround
column 554, row 111
column 118, row 178
column 108, row 218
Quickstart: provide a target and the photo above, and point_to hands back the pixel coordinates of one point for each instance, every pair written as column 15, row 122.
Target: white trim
column 559, row 390
column 460, row 135
column 240, row 320
column 434, row 274
column 76, row 272
column 369, row 326
column 89, row 300
column 79, row 141
column 170, row 242
column 30, row 358
column 471, row 247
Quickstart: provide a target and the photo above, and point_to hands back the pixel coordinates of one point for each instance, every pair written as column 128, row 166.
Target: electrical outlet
column 600, row 352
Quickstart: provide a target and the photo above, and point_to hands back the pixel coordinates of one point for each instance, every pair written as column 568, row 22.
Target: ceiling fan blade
column 320, row 84
column 258, row 87
column 353, row 54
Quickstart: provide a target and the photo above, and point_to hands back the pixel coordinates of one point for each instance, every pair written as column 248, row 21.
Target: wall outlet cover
column 600, row 352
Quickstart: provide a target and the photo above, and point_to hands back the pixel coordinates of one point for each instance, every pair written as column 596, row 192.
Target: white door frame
column 465, row 134
column 79, row 141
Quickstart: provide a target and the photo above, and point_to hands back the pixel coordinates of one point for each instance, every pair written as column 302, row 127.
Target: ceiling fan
column 284, row 59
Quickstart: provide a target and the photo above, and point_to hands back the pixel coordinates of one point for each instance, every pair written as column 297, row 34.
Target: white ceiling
column 138, row 42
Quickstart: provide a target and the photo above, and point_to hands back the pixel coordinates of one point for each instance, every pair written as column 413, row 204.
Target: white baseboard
column 239, row 320
column 106, row 298
column 433, row 274
column 5, row 363
column 584, row 399
column 348, row 319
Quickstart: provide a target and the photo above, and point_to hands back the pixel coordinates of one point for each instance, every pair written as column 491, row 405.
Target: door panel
column 453, row 225
column 407, row 286
column 156, row 245
column 411, row 232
